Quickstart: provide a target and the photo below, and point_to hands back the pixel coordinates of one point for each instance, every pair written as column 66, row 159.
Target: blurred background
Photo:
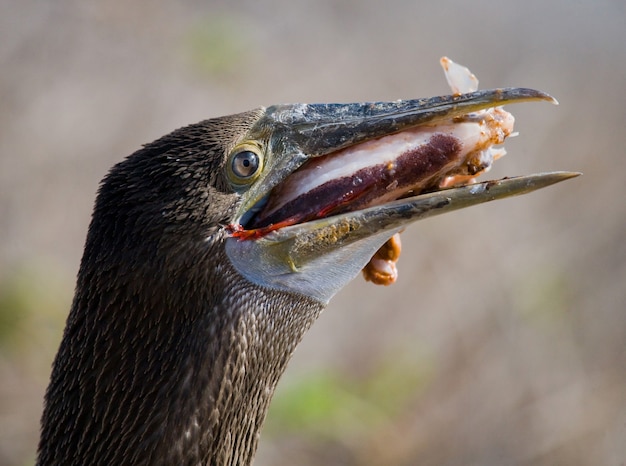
column 504, row 339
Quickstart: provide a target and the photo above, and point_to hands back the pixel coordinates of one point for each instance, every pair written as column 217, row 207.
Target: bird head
column 303, row 195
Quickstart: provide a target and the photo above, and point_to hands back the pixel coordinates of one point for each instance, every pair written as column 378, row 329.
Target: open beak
column 340, row 179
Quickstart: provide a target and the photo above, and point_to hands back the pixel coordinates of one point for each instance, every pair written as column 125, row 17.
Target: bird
column 204, row 266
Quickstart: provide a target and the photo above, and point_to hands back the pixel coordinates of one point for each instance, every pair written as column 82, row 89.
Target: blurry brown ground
column 504, row 340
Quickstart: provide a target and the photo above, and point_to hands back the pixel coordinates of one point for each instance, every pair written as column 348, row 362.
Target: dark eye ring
column 245, row 164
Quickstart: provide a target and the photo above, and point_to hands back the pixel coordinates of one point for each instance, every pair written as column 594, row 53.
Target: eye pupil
column 245, row 164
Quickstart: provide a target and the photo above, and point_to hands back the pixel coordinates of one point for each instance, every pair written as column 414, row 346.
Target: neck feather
column 168, row 368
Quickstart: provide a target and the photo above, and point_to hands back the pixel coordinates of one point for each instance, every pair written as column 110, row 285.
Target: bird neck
column 147, row 374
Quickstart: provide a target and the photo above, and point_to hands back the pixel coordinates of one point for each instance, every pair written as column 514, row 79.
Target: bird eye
column 244, row 166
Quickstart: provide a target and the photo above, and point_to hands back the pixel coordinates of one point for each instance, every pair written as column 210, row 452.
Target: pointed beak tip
column 565, row 175
column 540, row 95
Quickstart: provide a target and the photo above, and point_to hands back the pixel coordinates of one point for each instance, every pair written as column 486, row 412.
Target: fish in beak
column 339, row 181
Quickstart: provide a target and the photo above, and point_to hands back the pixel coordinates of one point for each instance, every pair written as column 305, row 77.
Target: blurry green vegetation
column 34, row 302
column 543, row 297
column 331, row 404
column 13, row 305
column 218, row 45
